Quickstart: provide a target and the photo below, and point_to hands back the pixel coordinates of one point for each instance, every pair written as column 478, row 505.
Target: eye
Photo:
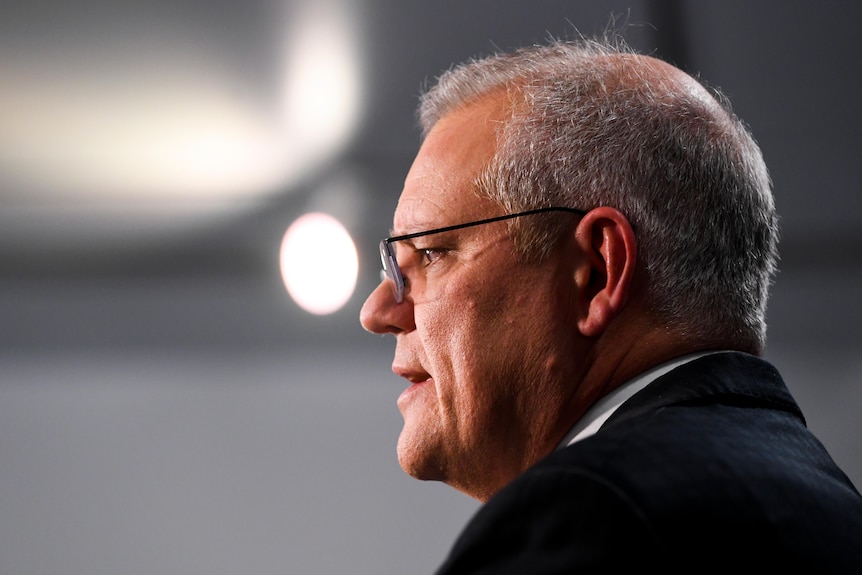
column 431, row 255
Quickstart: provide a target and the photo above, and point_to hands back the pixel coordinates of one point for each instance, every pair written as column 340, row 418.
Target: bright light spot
column 319, row 263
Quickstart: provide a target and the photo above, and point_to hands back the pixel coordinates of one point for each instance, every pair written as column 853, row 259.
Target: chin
column 418, row 458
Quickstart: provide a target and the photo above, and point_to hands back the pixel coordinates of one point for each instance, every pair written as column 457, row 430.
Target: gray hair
column 589, row 129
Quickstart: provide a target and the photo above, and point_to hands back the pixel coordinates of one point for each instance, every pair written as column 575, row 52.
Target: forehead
column 440, row 186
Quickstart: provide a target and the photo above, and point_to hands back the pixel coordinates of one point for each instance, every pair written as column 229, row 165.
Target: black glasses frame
column 392, row 270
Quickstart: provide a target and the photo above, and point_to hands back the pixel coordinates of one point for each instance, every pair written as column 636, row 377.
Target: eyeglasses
column 391, row 269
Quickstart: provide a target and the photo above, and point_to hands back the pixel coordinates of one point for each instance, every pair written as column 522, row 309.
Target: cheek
column 454, row 339
column 448, row 335
column 471, row 328
column 473, row 335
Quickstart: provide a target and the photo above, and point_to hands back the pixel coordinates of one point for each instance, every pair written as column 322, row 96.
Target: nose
column 381, row 314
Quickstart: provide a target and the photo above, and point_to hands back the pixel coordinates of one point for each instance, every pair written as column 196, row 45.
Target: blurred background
column 177, row 397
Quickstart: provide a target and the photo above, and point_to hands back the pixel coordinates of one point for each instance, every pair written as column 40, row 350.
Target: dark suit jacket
column 710, row 468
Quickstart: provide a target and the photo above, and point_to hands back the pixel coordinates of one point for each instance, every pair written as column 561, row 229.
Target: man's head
column 509, row 330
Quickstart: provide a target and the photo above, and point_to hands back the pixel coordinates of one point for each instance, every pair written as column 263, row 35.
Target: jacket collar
column 730, row 376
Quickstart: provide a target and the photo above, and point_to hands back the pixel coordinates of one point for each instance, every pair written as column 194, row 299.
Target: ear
column 606, row 276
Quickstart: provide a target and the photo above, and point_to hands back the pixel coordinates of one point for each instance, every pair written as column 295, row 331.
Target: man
column 577, row 286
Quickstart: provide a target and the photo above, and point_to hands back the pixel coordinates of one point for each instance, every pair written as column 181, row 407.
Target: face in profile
column 479, row 333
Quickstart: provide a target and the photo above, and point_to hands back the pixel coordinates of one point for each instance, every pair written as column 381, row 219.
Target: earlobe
column 606, row 276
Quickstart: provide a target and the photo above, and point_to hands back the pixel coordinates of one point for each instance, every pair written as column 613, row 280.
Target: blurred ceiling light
column 322, row 90
column 156, row 137
column 169, row 132
column 319, row 263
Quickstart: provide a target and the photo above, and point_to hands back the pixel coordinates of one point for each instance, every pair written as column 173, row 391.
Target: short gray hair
column 588, row 129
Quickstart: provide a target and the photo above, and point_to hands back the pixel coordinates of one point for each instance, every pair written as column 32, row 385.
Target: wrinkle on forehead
column 440, row 187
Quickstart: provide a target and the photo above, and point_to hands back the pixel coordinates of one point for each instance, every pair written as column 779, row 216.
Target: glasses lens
column 391, row 270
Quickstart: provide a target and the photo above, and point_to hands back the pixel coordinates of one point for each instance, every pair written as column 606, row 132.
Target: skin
column 502, row 357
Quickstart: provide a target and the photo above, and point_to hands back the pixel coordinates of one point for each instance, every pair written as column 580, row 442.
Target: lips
column 417, row 378
column 411, row 374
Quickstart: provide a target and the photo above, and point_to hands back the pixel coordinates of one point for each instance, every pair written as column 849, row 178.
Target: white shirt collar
column 601, row 410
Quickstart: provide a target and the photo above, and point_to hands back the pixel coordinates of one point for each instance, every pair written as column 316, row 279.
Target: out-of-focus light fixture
column 161, row 133
column 322, row 78
column 319, row 263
